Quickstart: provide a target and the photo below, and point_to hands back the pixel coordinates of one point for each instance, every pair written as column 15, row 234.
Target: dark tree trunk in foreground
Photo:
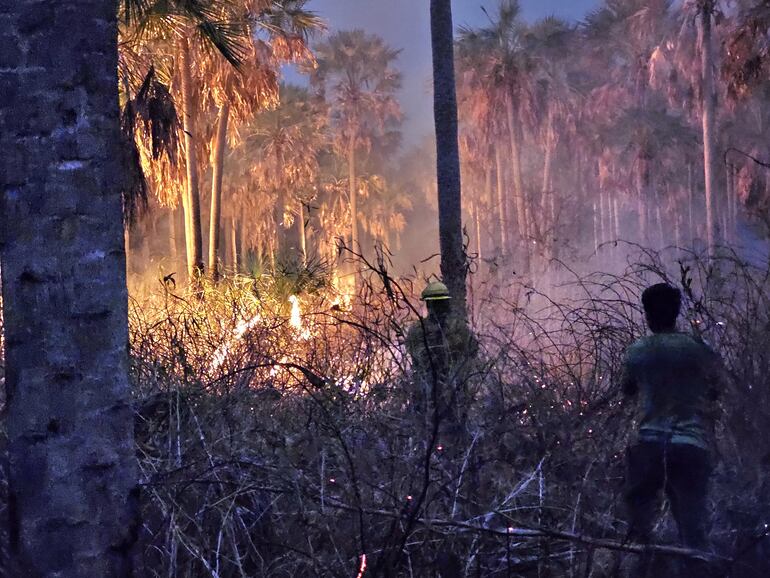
column 72, row 470
column 453, row 261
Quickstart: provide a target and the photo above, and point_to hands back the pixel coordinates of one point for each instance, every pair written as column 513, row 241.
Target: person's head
column 662, row 303
column 437, row 298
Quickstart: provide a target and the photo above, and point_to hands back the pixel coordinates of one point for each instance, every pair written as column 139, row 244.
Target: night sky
column 405, row 25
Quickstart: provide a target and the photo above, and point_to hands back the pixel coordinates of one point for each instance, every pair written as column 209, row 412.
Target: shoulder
column 637, row 348
column 416, row 331
column 699, row 342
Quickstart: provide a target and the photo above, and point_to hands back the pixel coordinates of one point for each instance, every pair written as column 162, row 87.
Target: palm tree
column 189, row 32
column 481, row 126
column 279, row 30
column 285, row 144
column 355, row 73
column 506, row 71
column 72, row 471
column 623, row 36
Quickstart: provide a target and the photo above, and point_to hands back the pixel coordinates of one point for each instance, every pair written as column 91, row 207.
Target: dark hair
column 662, row 303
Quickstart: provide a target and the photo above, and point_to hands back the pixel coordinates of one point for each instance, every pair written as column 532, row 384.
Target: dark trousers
column 683, row 472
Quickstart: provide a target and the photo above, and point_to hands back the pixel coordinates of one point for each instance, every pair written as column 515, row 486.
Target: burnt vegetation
column 271, row 447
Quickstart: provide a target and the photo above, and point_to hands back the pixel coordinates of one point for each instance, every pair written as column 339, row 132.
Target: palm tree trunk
column 709, row 119
column 193, row 229
column 453, row 260
column 547, row 201
column 353, row 192
column 220, row 146
column 477, row 218
column 501, row 221
column 518, row 186
column 596, row 227
column 235, row 248
column 72, row 475
column 302, row 233
column 731, row 209
column 643, row 182
column 172, row 236
column 690, row 207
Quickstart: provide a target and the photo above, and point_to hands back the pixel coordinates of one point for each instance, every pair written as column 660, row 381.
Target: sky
column 405, row 24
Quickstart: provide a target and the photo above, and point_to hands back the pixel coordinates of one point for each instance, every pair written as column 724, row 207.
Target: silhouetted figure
column 443, row 349
column 677, row 378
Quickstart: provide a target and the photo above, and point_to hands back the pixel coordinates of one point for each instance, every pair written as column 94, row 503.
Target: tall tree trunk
column 518, row 186
column 501, row 221
column 709, row 119
column 477, row 218
column 302, row 233
column 353, row 192
column 690, row 208
column 547, row 203
column 192, row 207
column 71, row 461
column 732, row 207
column 235, row 246
column 172, row 237
column 644, row 193
column 220, row 146
column 453, row 260
column 489, row 200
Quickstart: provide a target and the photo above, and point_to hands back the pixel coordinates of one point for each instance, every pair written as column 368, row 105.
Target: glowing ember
column 362, row 568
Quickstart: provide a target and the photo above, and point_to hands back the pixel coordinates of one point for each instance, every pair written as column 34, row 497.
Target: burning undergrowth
column 277, row 433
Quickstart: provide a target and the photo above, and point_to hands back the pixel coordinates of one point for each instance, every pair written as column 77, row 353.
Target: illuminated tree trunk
column 220, row 146
column 453, row 260
column 192, row 206
column 690, row 203
column 353, row 192
column 518, row 187
column 644, row 193
column 235, row 244
column 477, row 219
column 709, row 119
column 488, row 197
column 501, row 221
column 302, row 233
column 68, row 420
column 547, row 198
column 172, row 236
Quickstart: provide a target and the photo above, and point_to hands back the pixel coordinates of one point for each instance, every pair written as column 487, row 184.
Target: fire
column 344, row 289
column 221, row 354
column 296, row 318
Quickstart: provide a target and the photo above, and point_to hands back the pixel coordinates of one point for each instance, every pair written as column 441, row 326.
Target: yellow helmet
column 435, row 291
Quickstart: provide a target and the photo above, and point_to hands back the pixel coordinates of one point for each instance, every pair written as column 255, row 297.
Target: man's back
column 677, row 378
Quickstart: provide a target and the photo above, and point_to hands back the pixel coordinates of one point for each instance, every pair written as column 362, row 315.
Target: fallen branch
column 538, row 533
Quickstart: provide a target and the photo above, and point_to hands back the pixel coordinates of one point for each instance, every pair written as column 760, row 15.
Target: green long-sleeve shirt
column 678, row 379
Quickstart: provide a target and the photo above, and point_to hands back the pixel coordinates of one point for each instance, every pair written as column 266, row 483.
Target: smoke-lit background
column 405, row 24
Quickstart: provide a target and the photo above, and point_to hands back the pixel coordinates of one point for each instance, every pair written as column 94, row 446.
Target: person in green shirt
column 677, row 379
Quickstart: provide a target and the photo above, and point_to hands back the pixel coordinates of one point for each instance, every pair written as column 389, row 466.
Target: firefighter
column 442, row 348
column 678, row 379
